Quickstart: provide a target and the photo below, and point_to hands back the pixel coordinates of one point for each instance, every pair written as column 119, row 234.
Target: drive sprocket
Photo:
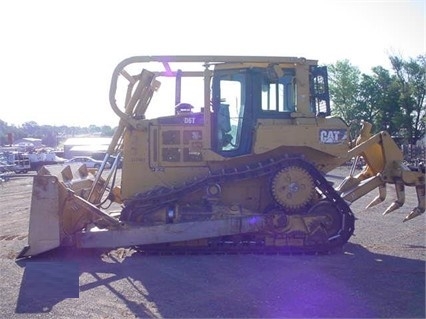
column 293, row 188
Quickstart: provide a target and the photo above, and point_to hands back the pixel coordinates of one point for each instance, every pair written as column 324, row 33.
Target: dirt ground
column 379, row 273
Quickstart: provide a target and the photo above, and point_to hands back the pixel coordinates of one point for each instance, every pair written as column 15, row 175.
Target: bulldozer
column 239, row 164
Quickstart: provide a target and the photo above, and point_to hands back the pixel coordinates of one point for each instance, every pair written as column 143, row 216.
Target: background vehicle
column 44, row 157
column 24, row 162
column 243, row 169
column 88, row 161
column 6, row 167
column 20, row 161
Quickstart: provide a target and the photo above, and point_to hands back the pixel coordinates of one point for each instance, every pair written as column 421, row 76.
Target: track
column 328, row 223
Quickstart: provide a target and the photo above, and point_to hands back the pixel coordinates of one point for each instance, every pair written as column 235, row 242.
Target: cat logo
column 331, row 136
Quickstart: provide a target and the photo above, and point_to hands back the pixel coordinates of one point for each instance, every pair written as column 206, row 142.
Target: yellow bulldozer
column 243, row 168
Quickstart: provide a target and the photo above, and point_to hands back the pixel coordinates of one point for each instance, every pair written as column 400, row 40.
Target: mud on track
column 380, row 273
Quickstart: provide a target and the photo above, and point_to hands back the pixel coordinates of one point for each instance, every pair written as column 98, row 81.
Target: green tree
column 31, row 128
column 13, row 131
column 411, row 80
column 344, row 80
column 378, row 100
column 391, row 100
column 106, row 130
column 93, row 129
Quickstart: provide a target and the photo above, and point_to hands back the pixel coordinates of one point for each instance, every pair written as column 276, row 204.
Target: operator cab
column 242, row 96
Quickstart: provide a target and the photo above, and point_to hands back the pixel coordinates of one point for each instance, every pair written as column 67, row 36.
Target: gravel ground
column 379, row 273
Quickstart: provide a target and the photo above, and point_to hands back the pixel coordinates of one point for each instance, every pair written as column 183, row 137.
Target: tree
column 378, row 100
column 411, row 80
column 31, row 128
column 7, row 131
column 391, row 100
column 106, row 130
column 344, row 79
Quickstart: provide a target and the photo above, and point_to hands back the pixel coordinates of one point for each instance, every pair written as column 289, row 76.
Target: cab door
column 232, row 118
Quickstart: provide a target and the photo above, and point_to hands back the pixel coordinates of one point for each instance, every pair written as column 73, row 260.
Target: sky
column 57, row 57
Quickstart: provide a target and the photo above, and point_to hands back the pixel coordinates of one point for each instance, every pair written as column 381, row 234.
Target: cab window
column 279, row 92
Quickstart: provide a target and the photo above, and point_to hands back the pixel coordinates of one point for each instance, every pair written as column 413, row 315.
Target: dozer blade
column 43, row 234
column 59, row 210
